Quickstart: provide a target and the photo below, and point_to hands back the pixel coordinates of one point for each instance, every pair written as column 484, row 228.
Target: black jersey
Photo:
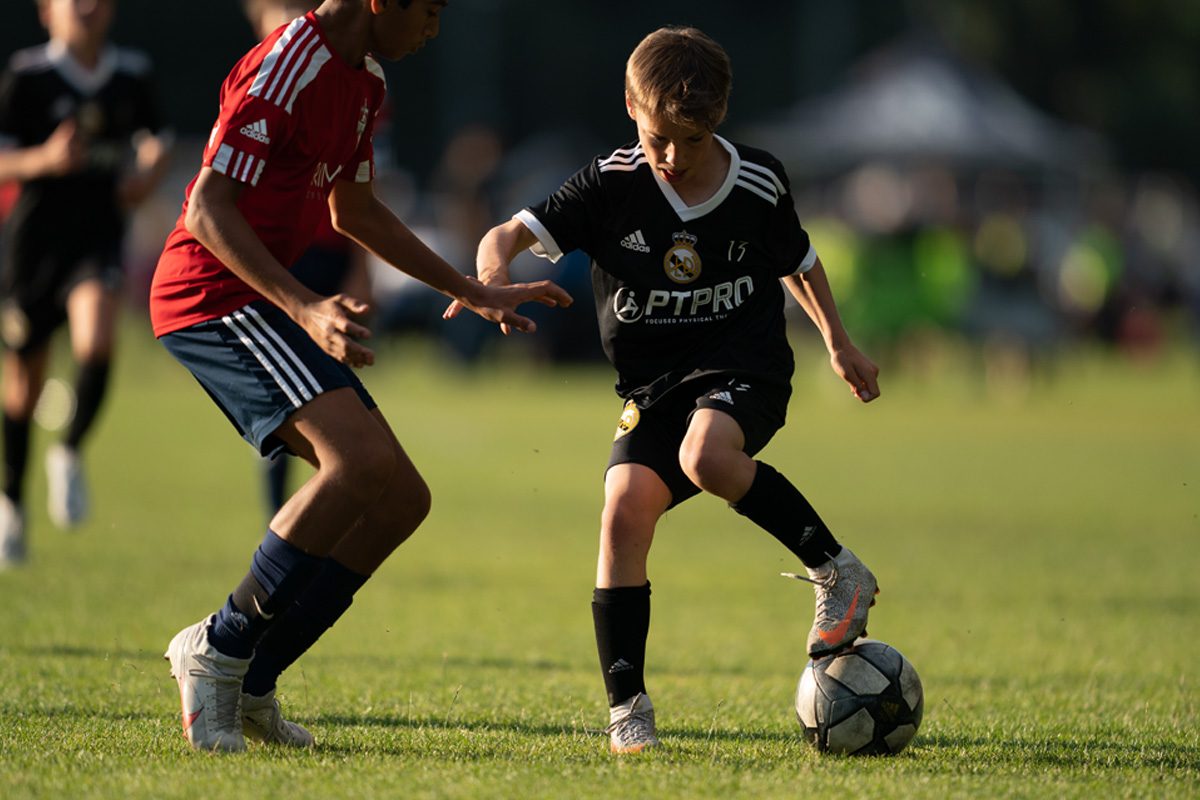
column 681, row 292
column 65, row 218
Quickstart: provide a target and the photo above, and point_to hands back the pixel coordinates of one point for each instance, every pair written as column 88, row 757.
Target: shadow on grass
column 99, row 653
column 450, row 737
column 501, row 732
column 1106, row 749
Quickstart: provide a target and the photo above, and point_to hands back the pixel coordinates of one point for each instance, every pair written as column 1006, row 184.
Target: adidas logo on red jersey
column 257, row 131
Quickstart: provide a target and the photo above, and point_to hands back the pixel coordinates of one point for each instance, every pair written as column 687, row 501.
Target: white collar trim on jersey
column 688, row 213
column 87, row 81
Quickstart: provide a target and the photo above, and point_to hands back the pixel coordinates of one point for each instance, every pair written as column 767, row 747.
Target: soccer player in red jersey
column 293, row 138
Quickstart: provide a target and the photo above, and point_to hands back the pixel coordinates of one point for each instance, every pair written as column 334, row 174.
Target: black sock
column 622, row 620
column 314, row 612
column 90, row 384
column 16, row 456
column 279, row 573
column 776, row 506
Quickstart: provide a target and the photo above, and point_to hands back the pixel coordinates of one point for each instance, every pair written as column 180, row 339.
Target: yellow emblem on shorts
column 682, row 262
column 629, row 419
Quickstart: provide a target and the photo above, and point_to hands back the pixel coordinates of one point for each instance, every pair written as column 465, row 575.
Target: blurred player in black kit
column 80, row 131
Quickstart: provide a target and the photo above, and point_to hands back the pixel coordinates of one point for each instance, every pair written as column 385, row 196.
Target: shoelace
column 227, row 709
column 228, row 715
column 637, row 724
column 824, row 587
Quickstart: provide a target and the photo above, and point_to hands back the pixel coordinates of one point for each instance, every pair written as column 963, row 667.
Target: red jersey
column 294, row 117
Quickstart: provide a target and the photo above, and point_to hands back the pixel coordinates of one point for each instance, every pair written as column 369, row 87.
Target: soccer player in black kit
column 80, row 130
column 691, row 240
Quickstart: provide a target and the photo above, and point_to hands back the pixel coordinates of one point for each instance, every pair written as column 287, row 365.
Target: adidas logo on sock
column 257, row 131
column 620, row 666
column 635, row 241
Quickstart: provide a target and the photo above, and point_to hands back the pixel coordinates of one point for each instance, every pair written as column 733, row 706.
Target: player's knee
column 702, row 464
column 368, row 471
column 418, row 502
column 405, row 507
column 627, row 524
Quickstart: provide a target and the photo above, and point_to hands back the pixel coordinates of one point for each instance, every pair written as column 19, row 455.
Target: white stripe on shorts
column 277, row 358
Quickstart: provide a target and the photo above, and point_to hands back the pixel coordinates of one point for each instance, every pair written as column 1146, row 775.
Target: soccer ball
column 864, row 700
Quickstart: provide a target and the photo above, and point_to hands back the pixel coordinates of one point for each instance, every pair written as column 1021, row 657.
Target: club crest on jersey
column 90, row 118
column 682, row 262
column 629, row 419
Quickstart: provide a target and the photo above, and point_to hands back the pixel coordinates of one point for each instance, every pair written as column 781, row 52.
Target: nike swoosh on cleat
column 190, row 719
column 837, row 634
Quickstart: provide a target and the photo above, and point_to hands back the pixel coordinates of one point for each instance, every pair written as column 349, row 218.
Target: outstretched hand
column 498, row 303
column 332, row 324
column 858, row 371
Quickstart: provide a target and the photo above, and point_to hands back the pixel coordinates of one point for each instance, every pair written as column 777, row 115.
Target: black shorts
column 259, row 367
column 652, row 436
column 35, row 294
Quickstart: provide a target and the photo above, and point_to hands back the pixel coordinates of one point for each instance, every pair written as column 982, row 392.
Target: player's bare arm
column 152, row 157
column 812, row 292
column 215, row 220
column 497, row 249
column 61, row 154
column 359, row 214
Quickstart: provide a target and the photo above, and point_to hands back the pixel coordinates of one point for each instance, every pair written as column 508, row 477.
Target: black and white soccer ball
column 864, row 700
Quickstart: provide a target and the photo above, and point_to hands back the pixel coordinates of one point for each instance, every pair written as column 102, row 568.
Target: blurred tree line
column 1129, row 69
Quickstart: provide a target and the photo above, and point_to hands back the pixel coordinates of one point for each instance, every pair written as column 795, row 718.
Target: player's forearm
column 150, row 167
column 811, row 290
column 224, row 231
column 23, row 164
column 377, row 229
column 498, row 248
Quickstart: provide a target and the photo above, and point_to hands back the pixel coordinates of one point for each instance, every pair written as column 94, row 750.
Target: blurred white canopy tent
column 915, row 100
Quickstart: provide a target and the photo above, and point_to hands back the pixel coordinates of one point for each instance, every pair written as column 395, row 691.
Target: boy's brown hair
column 681, row 75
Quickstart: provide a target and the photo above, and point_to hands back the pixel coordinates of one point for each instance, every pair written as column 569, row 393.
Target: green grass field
column 1038, row 563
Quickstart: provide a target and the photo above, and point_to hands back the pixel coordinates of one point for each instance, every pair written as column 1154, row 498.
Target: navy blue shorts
column 259, row 366
column 652, row 436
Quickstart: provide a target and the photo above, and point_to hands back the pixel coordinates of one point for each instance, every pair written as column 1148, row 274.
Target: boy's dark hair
column 681, row 75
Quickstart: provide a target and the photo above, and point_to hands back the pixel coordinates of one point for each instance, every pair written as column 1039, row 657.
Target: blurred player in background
column 293, row 143
column 332, row 264
column 692, row 239
column 81, row 133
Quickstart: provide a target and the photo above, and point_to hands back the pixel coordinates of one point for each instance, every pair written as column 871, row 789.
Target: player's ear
column 379, row 6
column 629, row 107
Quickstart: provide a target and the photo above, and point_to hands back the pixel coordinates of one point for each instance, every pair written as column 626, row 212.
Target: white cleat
column 631, row 726
column 210, row 689
column 12, row 533
column 68, row 497
column 263, row 722
column 845, row 591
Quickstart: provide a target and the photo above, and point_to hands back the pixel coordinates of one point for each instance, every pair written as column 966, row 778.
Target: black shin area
column 776, row 506
column 622, row 619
